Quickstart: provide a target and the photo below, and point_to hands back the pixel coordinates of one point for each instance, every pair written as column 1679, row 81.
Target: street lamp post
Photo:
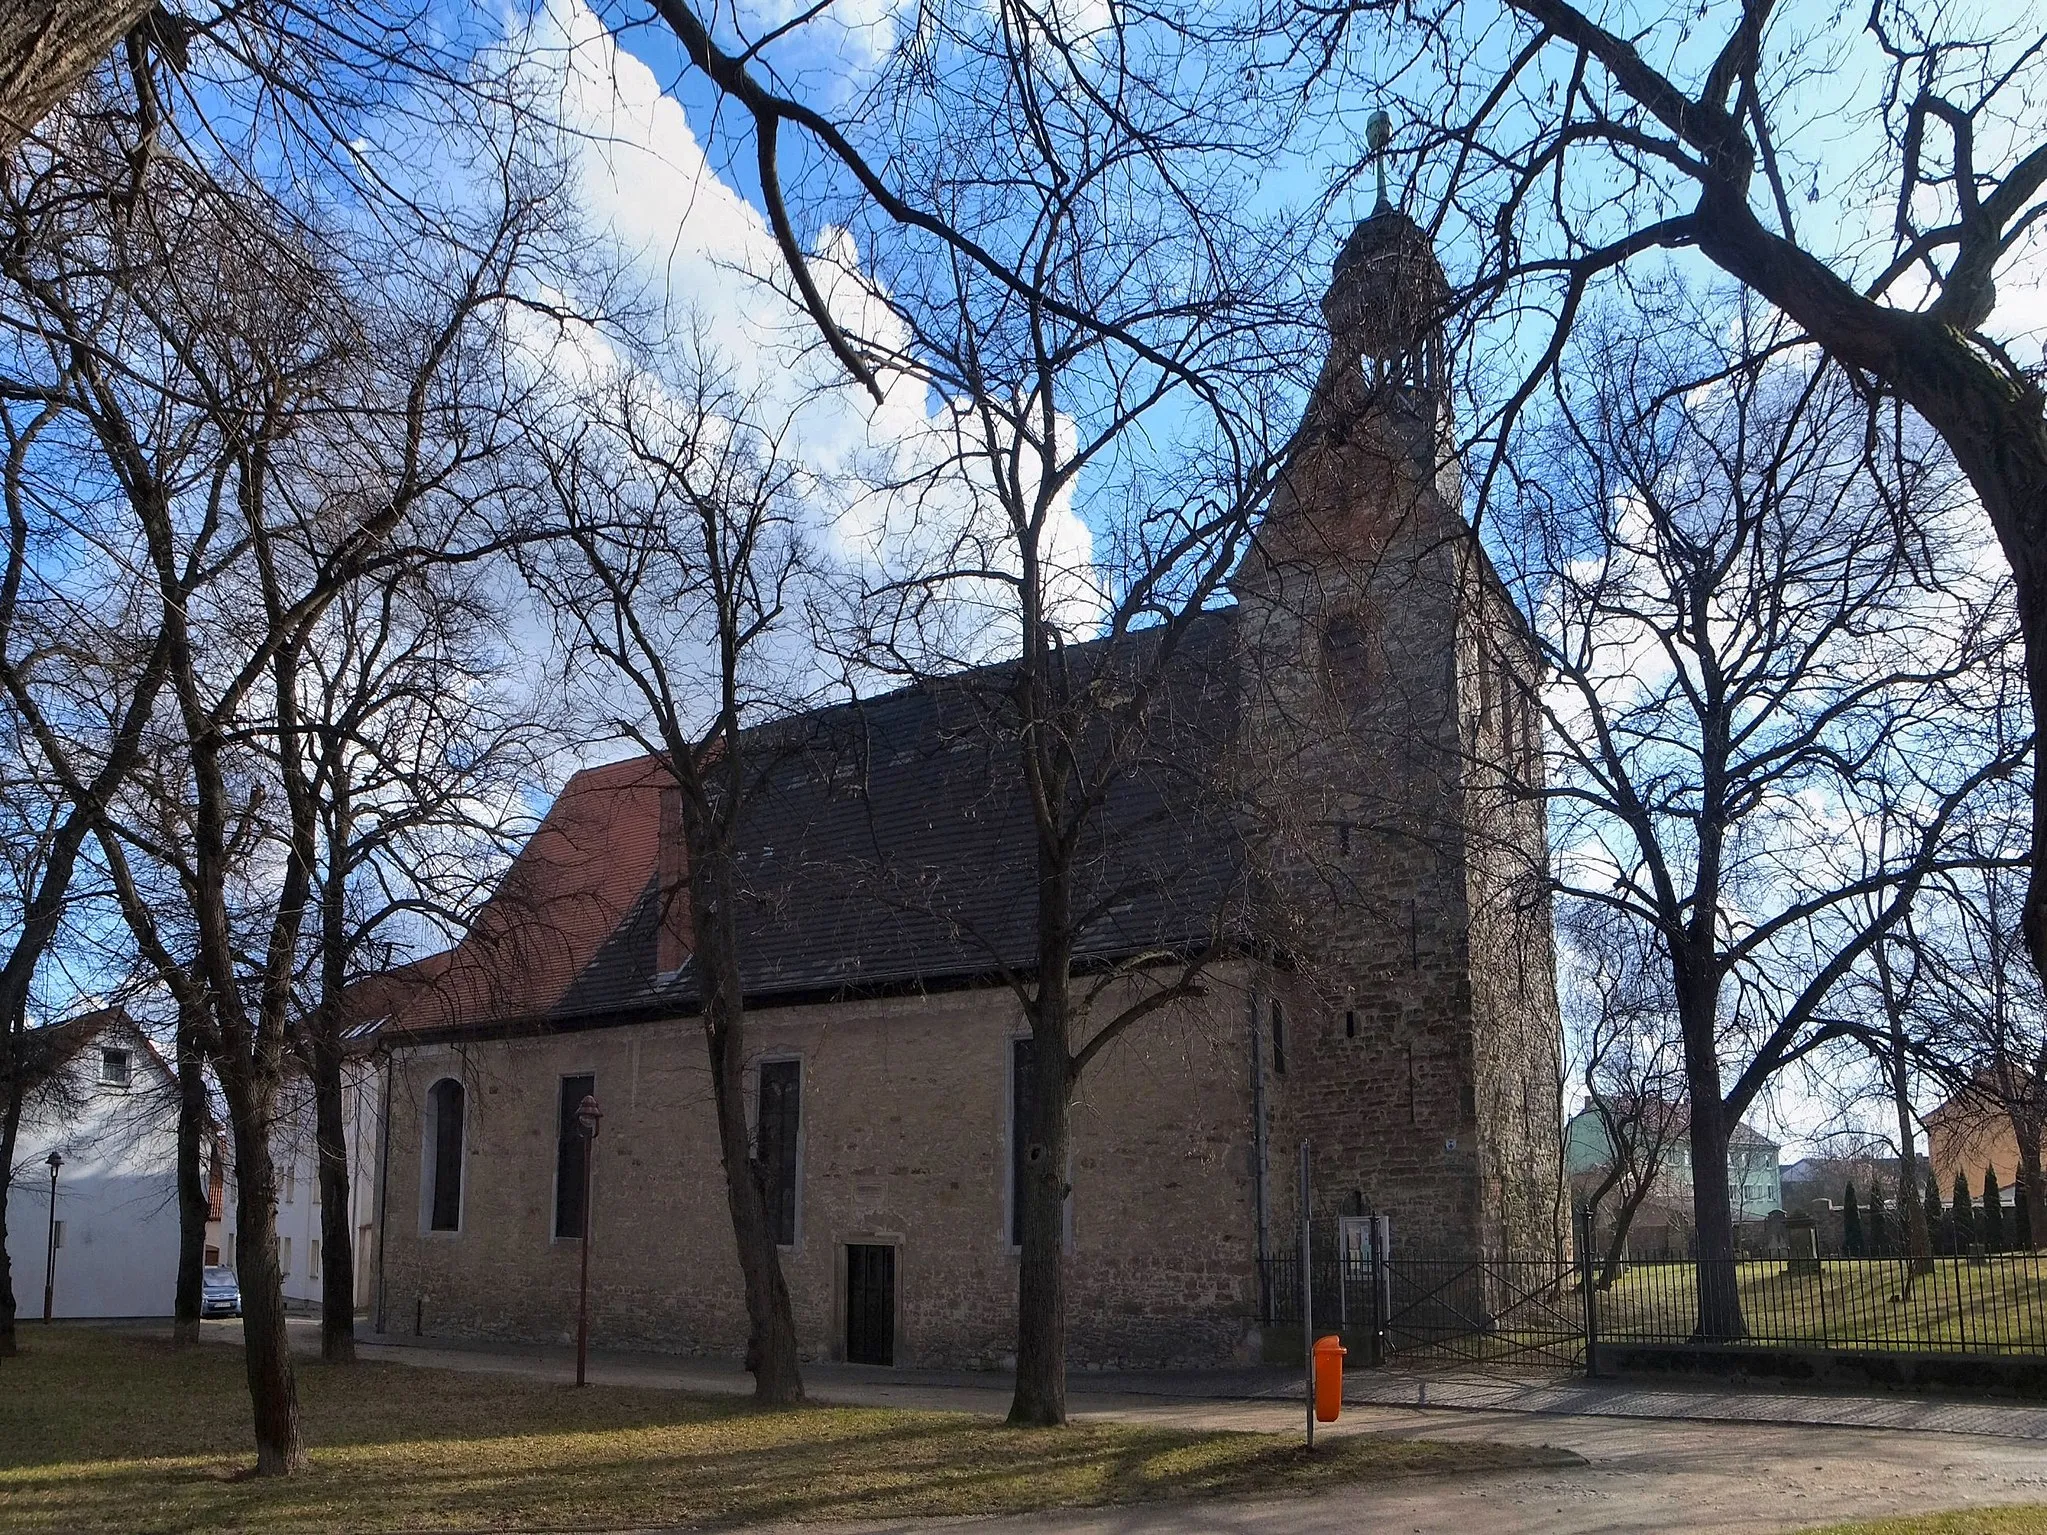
column 588, row 1118
column 56, row 1162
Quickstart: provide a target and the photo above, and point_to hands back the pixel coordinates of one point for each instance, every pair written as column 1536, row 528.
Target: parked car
column 220, row 1293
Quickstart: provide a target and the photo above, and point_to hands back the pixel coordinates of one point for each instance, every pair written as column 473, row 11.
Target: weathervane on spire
column 1378, row 131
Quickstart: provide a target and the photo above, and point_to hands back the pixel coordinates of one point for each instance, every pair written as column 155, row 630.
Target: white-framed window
column 115, row 1066
column 571, row 1156
column 284, row 1255
column 440, row 1181
column 291, row 1183
column 778, row 1142
column 1022, row 1058
column 313, row 1260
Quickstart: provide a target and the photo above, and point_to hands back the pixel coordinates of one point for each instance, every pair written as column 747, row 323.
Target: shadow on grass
column 128, row 1434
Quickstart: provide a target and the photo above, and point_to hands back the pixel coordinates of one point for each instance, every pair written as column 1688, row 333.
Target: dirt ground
column 1655, row 1459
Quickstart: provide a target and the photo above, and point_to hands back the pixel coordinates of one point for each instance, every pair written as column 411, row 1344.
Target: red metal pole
column 583, row 1297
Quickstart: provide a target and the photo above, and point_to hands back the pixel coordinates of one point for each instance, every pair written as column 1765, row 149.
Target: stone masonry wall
column 1404, row 878
column 904, row 1142
column 1353, row 725
column 1517, row 1026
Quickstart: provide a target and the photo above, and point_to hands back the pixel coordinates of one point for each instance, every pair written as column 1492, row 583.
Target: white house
column 104, row 1102
column 295, row 1148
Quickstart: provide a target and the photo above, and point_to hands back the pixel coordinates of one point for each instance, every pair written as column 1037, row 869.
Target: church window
column 1278, row 1039
column 1347, row 658
column 1023, row 1057
column 1350, row 1023
column 571, row 1158
column 445, row 1114
column 777, row 1125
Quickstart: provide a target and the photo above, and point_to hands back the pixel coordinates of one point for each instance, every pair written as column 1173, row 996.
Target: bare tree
column 1632, row 1066
column 675, row 575
column 1776, row 689
column 48, row 48
column 1974, row 1020
column 80, row 660
column 261, row 419
column 1561, row 148
column 1147, row 359
column 412, row 747
column 1893, row 1056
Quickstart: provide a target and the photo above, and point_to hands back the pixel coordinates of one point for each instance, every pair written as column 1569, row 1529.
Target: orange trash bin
column 1329, row 1354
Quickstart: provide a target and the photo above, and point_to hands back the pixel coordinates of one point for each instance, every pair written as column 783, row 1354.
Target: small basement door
column 870, row 1303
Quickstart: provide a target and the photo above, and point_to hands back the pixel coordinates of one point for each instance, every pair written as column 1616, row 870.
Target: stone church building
column 1338, row 840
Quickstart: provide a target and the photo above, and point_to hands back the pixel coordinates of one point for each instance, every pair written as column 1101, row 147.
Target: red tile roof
column 589, row 862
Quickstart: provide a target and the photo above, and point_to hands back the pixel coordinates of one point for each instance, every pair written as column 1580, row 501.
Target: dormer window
column 114, row 1068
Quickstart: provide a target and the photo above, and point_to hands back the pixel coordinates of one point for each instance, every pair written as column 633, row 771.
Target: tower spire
column 1378, row 132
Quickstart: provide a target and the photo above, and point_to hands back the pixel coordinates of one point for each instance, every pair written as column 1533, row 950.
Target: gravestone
column 1801, row 1245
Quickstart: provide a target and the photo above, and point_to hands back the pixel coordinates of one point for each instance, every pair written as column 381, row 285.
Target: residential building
column 1755, row 1185
column 1971, row 1130
column 103, row 1100
column 300, row 1228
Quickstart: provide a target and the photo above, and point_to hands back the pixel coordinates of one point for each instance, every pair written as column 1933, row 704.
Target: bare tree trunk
column 1918, row 1240
column 1040, row 1399
column 194, row 1205
column 330, row 1139
column 771, row 1352
column 10, row 1131
column 325, row 1062
column 47, row 48
column 266, row 1348
column 1720, row 1319
column 1617, row 1244
column 2030, row 1186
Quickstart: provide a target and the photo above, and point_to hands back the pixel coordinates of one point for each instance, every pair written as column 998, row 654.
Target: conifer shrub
column 1993, row 1214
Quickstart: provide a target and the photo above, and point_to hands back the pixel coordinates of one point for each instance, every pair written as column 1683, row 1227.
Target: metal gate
column 1496, row 1313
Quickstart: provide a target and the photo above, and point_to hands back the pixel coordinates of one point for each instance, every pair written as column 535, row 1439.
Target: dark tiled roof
column 889, row 844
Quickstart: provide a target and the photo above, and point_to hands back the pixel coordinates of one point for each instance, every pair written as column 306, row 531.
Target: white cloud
column 708, row 264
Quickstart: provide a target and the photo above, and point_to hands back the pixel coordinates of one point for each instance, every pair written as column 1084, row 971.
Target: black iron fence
column 1489, row 1311
column 1979, row 1305
column 1538, row 1314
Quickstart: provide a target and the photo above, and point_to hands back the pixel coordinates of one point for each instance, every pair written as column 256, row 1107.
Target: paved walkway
column 988, row 1391
column 1725, row 1462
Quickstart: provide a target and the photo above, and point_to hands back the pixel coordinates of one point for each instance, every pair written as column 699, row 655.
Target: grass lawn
column 2022, row 1519
column 120, row 1432
column 1856, row 1303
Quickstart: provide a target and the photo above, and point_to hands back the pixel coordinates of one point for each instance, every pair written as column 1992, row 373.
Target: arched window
column 444, row 1155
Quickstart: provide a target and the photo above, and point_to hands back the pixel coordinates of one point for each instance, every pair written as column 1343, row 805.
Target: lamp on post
column 588, row 1118
column 56, row 1164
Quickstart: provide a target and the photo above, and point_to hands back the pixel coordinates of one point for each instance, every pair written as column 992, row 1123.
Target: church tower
column 1407, row 1023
